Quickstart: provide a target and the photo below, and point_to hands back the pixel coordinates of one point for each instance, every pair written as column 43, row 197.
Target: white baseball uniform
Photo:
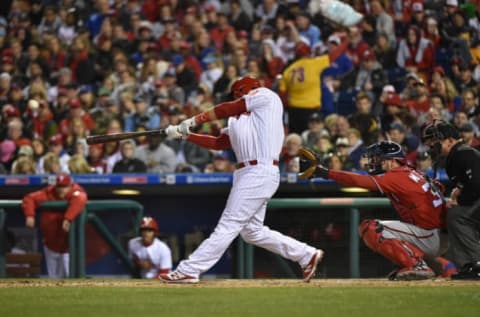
column 158, row 253
column 255, row 136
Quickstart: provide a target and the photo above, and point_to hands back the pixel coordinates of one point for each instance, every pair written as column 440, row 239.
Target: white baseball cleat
column 176, row 277
column 337, row 11
column 418, row 272
column 309, row 270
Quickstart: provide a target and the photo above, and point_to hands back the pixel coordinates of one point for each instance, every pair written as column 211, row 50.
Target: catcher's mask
column 433, row 133
column 378, row 152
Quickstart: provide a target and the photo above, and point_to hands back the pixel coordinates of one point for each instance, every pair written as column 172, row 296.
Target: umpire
column 463, row 217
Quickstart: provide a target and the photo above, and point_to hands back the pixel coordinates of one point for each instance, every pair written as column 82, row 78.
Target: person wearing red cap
column 300, row 86
column 150, row 255
column 76, row 111
column 55, row 225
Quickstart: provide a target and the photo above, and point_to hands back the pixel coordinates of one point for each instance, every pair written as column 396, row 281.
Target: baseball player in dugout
column 150, row 255
column 416, row 242
column 255, row 133
column 462, row 164
column 55, row 225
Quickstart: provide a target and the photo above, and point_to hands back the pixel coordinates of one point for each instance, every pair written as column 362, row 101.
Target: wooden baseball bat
column 104, row 138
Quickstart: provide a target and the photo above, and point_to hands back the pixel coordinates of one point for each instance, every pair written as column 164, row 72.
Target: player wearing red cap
column 255, row 134
column 150, row 255
column 55, row 225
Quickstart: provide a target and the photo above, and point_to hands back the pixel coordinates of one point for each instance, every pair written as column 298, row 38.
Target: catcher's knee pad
column 370, row 230
column 399, row 252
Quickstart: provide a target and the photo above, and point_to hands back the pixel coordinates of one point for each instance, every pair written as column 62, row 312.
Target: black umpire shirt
column 463, row 170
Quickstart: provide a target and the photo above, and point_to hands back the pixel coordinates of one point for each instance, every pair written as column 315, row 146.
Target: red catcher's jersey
column 411, row 195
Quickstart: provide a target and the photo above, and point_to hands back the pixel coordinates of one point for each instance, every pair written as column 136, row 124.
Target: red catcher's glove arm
column 222, row 111
column 77, row 199
column 221, row 142
column 32, row 201
column 352, row 179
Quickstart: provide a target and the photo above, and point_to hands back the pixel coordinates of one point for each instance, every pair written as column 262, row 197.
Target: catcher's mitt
column 308, row 163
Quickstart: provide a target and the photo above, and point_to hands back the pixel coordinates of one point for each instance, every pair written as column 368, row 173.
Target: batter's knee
column 251, row 235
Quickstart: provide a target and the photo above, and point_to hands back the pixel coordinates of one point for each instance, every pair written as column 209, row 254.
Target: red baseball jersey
column 413, row 197
column 53, row 235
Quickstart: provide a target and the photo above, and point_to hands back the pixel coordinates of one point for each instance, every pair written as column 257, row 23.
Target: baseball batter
column 255, row 133
column 420, row 234
column 55, row 225
column 150, row 255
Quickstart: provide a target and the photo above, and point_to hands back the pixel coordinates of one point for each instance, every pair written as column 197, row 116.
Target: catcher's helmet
column 149, row 223
column 302, row 49
column 243, row 85
column 377, row 152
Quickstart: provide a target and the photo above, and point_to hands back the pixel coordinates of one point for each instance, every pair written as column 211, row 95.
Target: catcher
column 419, row 237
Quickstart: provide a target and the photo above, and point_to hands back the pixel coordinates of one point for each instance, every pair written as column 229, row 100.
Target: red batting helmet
column 149, row 223
column 302, row 49
column 243, row 85
column 63, row 179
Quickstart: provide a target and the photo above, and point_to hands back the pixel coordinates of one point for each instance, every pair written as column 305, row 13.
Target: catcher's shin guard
column 399, row 252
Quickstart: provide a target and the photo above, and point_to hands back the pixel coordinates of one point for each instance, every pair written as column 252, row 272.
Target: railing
column 245, row 260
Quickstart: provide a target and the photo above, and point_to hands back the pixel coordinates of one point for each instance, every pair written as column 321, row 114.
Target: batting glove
column 173, row 132
column 185, row 126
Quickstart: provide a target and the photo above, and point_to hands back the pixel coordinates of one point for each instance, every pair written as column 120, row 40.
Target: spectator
column 316, row 128
column 144, row 115
column 95, row 158
column 15, row 132
column 128, row 163
column 289, row 156
column 467, row 133
column 220, row 164
column 159, row 157
column 55, row 146
column 384, row 22
column 77, row 164
column 7, row 152
column 299, row 87
column 150, row 255
column 364, row 120
column 356, row 147
column 415, row 53
column 55, row 225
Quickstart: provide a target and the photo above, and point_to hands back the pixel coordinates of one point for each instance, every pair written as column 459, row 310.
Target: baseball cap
column 451, row 3
column 393, row 99
column 177, row 59
column 9, row 111
column 388, row 89
column 466, row 127
column 56, row 139
column 417, row 7
column 25, row 150
column 397, row 126
column 85, row 89
column 149, row 223
column 439, row 69
column 342, row 142
column 334, row 39
column 221, row 155
column 63, row 179
column 75, row 103
column 412, row 75
column 368, row 55
column 315, row 117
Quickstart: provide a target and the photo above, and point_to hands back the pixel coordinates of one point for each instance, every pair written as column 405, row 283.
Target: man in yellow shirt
column 300, row 87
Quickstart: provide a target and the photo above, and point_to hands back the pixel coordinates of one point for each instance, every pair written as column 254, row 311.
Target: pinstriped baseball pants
column 244, row 214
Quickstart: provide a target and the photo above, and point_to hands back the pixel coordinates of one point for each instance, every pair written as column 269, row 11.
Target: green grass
column 106, row 301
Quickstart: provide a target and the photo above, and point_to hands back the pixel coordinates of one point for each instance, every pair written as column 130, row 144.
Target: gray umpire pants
column 463, row 223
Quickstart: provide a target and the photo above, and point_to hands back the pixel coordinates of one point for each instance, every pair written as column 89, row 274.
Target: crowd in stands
column 73, row 68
